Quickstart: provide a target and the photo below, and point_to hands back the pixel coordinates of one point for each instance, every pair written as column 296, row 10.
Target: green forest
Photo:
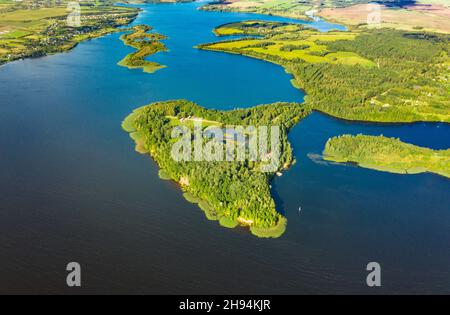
column 397, row 76
column 146, row 44
column 232, row 192
column 38, row 28
column 288, row 8
column 387, row 154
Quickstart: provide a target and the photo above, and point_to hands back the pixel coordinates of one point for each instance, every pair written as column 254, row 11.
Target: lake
column 72, row 187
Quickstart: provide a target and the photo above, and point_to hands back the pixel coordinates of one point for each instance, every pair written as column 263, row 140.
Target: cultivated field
column 431, row 17
column 31, row 29
column 287, row 8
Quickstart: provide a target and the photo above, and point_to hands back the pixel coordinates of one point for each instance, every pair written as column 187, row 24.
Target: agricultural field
column 428, row 17
column 286, row 8
column 253, row 27
column 32, row 29
column 299, row 9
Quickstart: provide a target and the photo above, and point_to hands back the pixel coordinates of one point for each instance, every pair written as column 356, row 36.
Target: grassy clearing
column 228, row 31
column 139, row 139
column 256, row 27
column 273, row 232
column 285, row 8
column 191, row 198
column 26, row 16
column 314, row 54
column 163, row 175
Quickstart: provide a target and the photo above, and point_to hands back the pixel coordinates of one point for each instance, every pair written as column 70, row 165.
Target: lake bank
column 40, row 31
column 147, row 44
column 73, row 189
column 387, row 154
column 348, row 74
column 230, row 191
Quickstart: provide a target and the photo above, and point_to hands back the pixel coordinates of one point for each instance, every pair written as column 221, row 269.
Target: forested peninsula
column 372, row 75
column 233, row 192
column 387, row 154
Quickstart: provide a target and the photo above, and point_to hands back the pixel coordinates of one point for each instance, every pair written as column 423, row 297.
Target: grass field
column 146, row 44
column 441, row 2
column 371, row 75
column 26, row 16
column 310, row 48
column 286, row 8
column 29, row 28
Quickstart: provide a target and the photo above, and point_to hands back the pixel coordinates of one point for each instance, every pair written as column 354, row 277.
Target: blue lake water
column 72, row 188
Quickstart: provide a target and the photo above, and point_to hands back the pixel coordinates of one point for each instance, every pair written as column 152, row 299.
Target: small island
column 146, row 44
column 233, row 192
column 387, row 154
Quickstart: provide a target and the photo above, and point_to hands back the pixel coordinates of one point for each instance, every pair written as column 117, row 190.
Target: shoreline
column 206, row 7
column 385, row 169
column 374, row 167
column 65, row 50
column 386, row 154
column 210, row 211
column 80, row 38
column 297, row 83
column 146, row 44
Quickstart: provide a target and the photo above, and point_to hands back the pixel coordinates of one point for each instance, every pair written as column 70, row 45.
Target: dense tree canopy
column 405, row 76
column 387, row 154
column 229, row 191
